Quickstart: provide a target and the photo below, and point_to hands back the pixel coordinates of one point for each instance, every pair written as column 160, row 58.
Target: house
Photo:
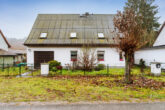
column 61, row 37
column 155, row 53
column 8, row 56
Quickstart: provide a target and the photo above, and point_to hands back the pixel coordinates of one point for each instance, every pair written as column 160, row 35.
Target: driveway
column 112, row 106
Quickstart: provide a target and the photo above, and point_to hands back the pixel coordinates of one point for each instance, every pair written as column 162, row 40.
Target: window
column 73, row 55
column 100, row 55
column 43, row 35
column 100, row 35
column 121, row 56
column 73, row 35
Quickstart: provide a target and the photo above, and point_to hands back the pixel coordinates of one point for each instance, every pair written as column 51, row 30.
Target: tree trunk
column 128, row 62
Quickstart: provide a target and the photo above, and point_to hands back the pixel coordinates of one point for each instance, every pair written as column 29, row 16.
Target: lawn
column 75, row 89
column 73, row 86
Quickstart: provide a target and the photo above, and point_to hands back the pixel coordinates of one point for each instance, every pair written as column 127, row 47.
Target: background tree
column 129, row 35
column 146, row 9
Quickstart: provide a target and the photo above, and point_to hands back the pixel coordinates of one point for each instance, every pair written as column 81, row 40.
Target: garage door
column 42, row 57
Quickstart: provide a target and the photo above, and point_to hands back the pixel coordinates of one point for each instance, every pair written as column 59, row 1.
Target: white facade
column 63, row 55
column 150, row 55
column 3, row 44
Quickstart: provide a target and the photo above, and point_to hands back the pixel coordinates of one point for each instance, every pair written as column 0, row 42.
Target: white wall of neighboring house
column 63, row 55
column 154, row 54
column 3, row 44
column 151, row 55
column 161, row 38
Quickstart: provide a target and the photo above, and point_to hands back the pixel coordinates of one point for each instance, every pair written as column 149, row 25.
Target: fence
column 13, row 70
column 106, row 71
column 21, row 70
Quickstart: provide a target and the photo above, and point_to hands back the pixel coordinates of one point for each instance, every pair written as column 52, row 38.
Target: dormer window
column 100, row 35
column 43, row 35
column 73, row 35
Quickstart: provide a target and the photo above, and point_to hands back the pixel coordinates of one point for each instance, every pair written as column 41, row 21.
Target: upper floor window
column 100, row 35
column 100, row 55
column 73, row 55
column 73, row 35
column 43, row 35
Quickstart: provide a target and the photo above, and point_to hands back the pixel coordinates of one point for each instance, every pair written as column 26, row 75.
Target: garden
column 81, row 88
column 74, row 86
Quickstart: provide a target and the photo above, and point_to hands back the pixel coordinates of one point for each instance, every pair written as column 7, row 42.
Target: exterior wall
column 3, row 45
column 160, row 40
column 10, row 59
column 7, row 60
column 152, row 55
column 63, row 55
column 19, row 58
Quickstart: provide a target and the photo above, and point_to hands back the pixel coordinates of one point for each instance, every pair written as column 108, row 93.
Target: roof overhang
column 71, row 45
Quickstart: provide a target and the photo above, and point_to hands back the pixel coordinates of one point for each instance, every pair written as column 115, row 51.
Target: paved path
column 112, row 106
column 24, row 75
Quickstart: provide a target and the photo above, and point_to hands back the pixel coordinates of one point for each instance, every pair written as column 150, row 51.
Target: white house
column 4, row 43
column 61, row 37
column 155, row 53
column 8, row 56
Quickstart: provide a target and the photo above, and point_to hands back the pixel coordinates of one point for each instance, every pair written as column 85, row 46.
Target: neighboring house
column 61, row 37
column 155, row 53
column 7, row 55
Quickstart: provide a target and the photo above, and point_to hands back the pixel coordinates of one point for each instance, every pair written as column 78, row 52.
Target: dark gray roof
column 154, row 47
column 59, row 27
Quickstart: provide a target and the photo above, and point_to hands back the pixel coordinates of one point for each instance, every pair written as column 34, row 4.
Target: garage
column 42, row 57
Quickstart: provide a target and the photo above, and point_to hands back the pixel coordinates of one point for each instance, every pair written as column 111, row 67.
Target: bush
column 54, row 69
column 53, row 65
column 142, row 63
column 142, row 66
column 100, row 67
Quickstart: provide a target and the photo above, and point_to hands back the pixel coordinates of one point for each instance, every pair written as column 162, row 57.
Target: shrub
column 100, row 67
column 59, row 67
column 54, row 69
column 54, row 64
column 142, row 66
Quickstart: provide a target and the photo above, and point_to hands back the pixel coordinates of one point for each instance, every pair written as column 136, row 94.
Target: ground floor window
column 121, row 56
column 100, row 55
column 73, row 55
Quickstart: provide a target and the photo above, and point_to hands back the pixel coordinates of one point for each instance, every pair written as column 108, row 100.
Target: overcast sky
column 18, row 16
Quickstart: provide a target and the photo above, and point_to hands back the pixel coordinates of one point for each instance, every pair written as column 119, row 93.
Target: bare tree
column 87, row 58
column 129, row 36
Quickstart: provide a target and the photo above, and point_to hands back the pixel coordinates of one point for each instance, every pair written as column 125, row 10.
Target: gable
column 4, row 44
column 160, row 41
column 59, row 27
